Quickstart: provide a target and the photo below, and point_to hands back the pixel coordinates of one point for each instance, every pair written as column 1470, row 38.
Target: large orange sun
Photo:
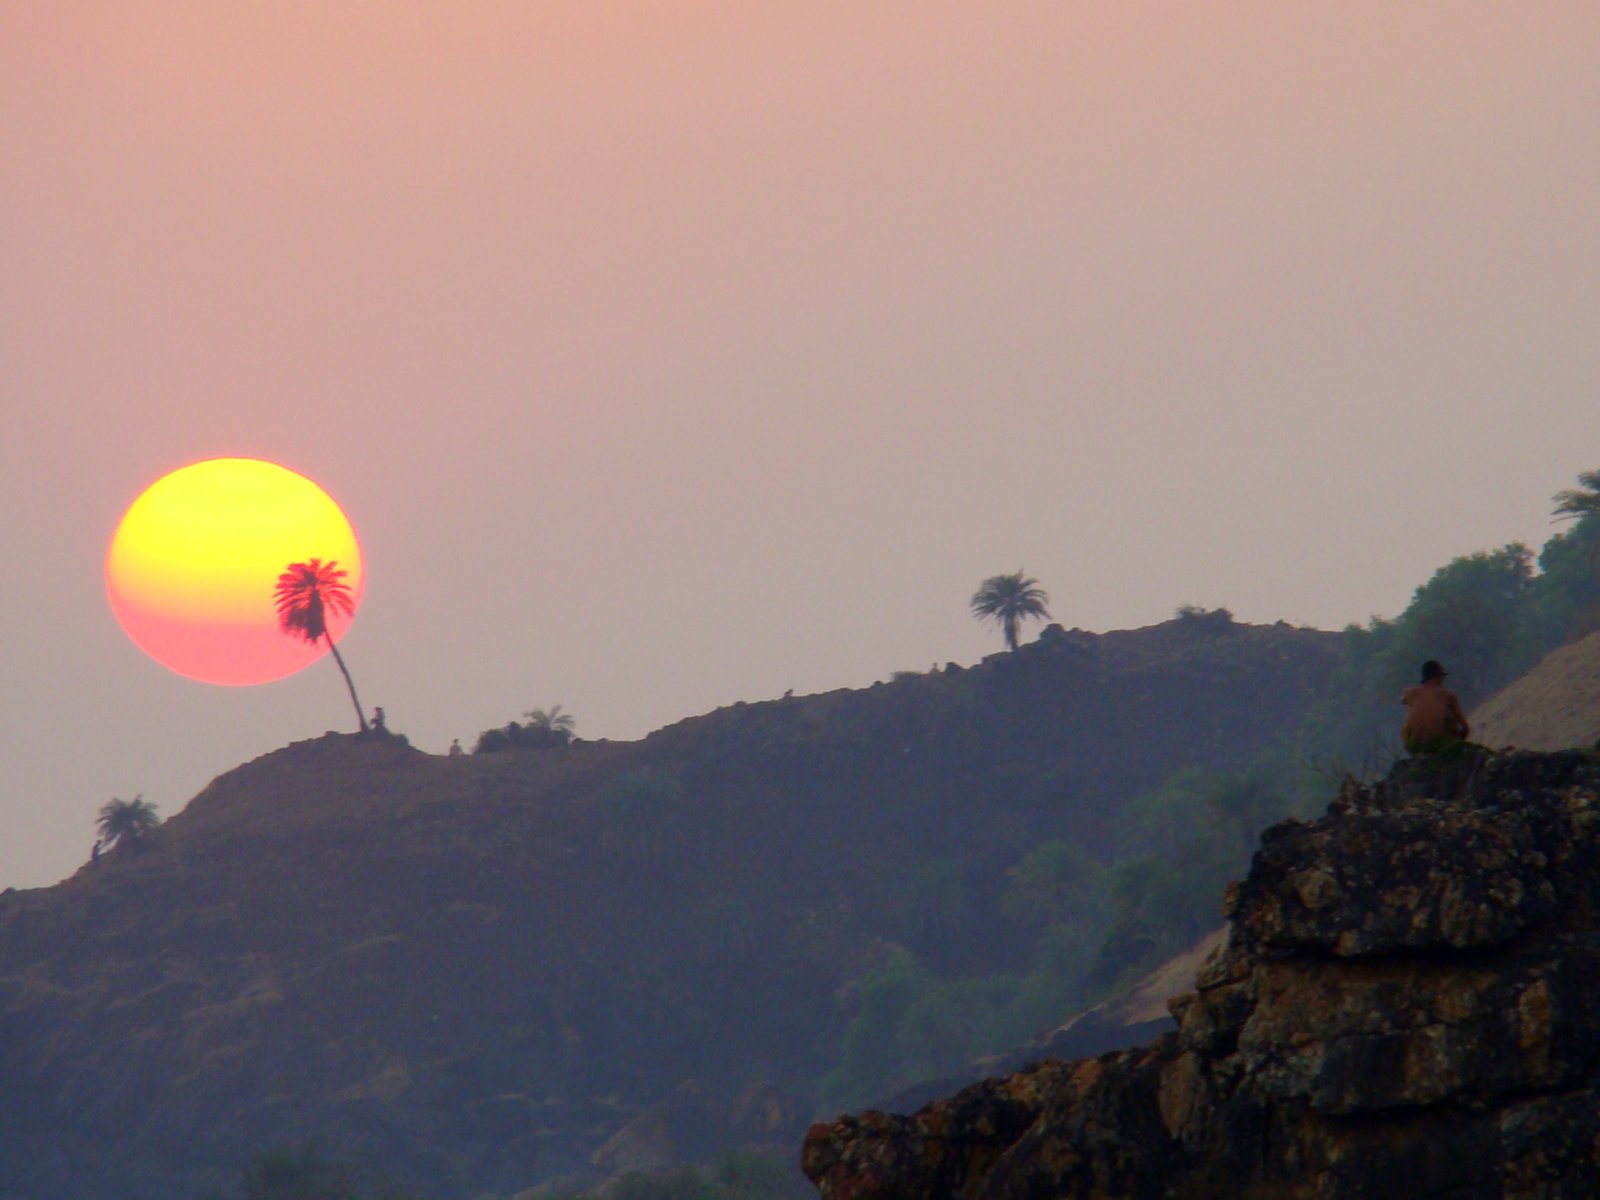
column 193, row 564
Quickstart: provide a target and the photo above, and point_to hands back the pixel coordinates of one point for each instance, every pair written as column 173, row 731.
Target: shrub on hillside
column 513, row 736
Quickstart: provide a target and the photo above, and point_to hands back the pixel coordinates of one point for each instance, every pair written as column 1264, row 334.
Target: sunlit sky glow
column 668, row 355
column 194, row 562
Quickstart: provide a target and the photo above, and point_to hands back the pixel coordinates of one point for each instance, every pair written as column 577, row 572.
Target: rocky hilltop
column 481, row 972
column 1404, row 1008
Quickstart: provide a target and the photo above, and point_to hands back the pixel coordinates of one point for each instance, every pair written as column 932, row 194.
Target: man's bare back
column 1434, row 720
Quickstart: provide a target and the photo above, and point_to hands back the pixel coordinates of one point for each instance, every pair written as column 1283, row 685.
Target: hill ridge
column 476, row 970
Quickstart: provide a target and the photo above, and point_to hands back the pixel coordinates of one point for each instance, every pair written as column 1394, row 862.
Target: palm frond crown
column 307, row 592
column 1578, row 502
column 126, row 820
column 1008, row 600
column 551, row 720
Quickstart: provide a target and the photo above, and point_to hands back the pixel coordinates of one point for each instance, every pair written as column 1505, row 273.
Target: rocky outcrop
column 1404, row 1008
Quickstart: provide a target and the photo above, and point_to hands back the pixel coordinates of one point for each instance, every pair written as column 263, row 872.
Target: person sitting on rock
column 1434, row 720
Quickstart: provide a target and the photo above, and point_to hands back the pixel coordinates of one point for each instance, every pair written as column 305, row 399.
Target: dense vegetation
column 1092, row 925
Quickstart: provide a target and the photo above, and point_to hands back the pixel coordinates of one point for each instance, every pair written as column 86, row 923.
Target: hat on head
column 1432, row 670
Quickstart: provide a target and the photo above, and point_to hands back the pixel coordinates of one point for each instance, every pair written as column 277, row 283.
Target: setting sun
column 193, row 563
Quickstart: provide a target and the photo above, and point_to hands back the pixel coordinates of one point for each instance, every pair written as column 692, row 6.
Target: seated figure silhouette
column 1434, row 720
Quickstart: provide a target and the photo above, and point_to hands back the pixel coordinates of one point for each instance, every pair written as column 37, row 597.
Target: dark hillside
column 471, row 972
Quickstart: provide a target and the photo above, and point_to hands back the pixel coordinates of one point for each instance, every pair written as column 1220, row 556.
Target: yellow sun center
column 193, row 564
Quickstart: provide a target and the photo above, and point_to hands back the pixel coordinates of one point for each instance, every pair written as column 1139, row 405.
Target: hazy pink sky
column 667, row 355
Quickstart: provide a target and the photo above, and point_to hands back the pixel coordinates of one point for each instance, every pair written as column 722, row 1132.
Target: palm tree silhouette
column 1579, row 502
column 305, row 593
column 126, row 822
column 1006, row 600
column 551, row 724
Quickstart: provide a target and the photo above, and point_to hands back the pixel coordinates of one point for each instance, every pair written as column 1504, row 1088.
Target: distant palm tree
column 126, row 822
column 552, row 722
column 1581, row 501
column 1007, row 600
column 305, row 593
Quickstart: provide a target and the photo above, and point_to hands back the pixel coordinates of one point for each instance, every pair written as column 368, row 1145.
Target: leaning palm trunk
column 361, row 715
column 305, row 594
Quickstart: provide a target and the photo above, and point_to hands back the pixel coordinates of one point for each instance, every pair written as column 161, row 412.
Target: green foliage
column 1565, row 604
column 1054, row 884
column 1095, row 927
column 951, row 1024
column 1181, row 844
column 1469, row 615
column 910, row 1027
column 1053, row 988
column 870, row 1059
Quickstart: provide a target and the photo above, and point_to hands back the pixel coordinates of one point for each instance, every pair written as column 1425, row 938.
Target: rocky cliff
column 1404, row 1008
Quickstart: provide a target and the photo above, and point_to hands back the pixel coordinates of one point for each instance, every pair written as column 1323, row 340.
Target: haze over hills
column 473, row 972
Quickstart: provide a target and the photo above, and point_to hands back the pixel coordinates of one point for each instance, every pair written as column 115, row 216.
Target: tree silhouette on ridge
column 1007, row 600
column 126, row 822
column 306, row 591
